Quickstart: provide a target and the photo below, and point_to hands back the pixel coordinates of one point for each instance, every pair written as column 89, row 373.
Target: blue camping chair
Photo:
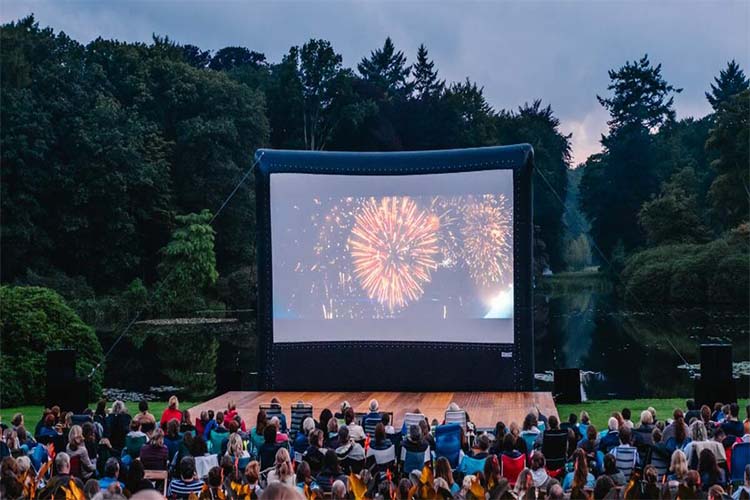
column 740, row 458
column 470, row 465
column 414, row 460
column 448, row 443
column 529, row 438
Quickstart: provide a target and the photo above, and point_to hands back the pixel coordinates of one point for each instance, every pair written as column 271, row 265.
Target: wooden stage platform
column 484, row 408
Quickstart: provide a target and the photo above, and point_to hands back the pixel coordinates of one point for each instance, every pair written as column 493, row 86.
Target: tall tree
column 730, row 140
column 426, row 82
column 730, row 82
column 323, row 85
column 387, row 71
column 196, row 57
column 616, row 183
column 641, row 97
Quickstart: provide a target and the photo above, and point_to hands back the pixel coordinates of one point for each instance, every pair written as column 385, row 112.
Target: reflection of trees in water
column 588, row 328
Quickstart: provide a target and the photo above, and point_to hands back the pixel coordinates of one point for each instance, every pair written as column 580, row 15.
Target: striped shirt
column 183, row 489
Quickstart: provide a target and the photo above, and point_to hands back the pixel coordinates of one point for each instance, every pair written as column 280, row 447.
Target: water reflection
column 627, row 351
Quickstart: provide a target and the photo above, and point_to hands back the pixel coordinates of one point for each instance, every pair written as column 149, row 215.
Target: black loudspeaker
column 716, row 383
column 568, row 385
column 63, row 387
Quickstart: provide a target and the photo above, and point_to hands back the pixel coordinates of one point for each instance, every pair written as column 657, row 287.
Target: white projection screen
column 416, row 258
column 398, row 271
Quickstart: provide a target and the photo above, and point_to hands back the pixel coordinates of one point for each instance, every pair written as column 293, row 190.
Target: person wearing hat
column 374, row 413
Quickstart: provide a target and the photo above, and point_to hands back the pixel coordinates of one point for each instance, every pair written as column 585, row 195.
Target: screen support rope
column 138, row 314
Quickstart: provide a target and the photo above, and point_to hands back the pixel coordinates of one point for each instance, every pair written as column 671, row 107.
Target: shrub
column 34, row 320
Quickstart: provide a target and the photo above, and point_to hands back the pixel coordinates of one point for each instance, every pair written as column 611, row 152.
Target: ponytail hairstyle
column 581, row 471
column 283, row 465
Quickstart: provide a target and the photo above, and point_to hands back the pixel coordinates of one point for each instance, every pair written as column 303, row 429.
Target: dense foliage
column 34, row 320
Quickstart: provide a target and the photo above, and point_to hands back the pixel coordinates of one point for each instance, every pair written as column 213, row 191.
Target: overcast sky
column 558, row 51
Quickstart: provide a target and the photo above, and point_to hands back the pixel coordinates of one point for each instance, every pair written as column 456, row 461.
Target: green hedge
column 715, row 273
column 34, row 320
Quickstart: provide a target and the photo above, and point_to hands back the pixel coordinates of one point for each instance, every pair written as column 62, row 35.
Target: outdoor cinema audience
column 696, row 454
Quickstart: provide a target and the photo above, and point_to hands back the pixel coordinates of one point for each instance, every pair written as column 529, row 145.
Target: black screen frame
column 399, row 366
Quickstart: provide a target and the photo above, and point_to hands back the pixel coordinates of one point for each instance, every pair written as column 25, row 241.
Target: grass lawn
column 34, row 412
column 600, row 410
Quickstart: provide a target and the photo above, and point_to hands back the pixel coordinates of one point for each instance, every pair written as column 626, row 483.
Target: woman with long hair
column 155, row 454
column 676, row 433
column 580, row 478
column 235, row 447
column 710, row 471
column 443, row 471
column 282, row 469
column 77, row 448
column 678, row 467
column 492, row 472
column 256, row 433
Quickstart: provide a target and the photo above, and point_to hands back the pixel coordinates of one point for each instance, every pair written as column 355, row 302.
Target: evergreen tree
column 640, row 96
column 426, row 83
column 616, row 183
column 730, row 140
column 730, row 82
column 387, row 71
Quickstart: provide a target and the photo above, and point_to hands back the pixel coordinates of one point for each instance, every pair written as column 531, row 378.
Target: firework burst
column 394, row 247
column 487, row 238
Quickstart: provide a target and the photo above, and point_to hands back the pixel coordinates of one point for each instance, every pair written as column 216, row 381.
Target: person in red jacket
column 172, row 411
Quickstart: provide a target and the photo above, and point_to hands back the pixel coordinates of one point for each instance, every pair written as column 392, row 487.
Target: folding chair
column 470, row 465
column 300, row 411
column 740, row 458
column 204, row 463
column 448, row 443
column 414, row 460
column 554, row 447
column 456, row 417
column 512, row 467
column 158, row 475
column 369, row 425
column 409, row 420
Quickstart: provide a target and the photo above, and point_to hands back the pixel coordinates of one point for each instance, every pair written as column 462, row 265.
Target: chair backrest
column 471, row 465
column 271, row 410
column 158, row 475
column 133, row 445
column 204, row 463
column 411, row 419
column 382, row 457
column 626, row 459
column 81, row 419
column 216, row 439
column 740, row 458
column 448, row 443
column 529, row 438
column 554, row 448
column 369, row 425
column 456, row 417
column 512, row 467
column 660, row 460
column 75, row 466
column 300, row 411
column 415, row 460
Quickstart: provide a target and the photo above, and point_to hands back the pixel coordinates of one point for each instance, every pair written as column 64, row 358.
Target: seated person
column 349, row 451
column 611, row 438
column 315, row 453
column 732, row 425
column 481, row 447
column 301, row 442
column 155, row 454
column 610, row 469
column 188, row 483
column 380, row 440
column 374, row 414
column 710, row 472
column 330, row 472
column 111, row 474
column 267, row 452
column 580, row 478
column 356, row 432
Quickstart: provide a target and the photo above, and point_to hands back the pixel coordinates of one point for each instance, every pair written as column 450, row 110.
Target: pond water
column 623, row 351
column 626, row 350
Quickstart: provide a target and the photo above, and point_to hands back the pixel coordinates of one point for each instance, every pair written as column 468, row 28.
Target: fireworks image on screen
column 486, row 232
column 394, row 248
